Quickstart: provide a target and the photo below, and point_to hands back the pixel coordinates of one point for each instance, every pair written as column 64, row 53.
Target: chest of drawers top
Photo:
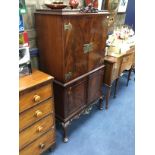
column 32, row 80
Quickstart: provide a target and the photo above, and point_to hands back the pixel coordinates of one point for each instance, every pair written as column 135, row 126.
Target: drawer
column 126, row 63
column 34, row 96
column 34, row 114
column 40, row 145
column 36, row 130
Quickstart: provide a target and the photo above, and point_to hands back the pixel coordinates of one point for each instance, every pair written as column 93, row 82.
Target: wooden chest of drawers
column 72, row 46
column 36, row 113
column 114, row 68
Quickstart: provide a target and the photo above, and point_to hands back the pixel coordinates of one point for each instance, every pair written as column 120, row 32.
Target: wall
column 130, row 14
column 29, row 24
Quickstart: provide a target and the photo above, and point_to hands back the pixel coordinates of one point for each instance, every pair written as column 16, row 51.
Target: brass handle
column 68, row 75
column 42, row 145
column 36, row 98
column 110, row 21
column 88, row 47
column 38, row 113
column 68, row 26
column 39, row 128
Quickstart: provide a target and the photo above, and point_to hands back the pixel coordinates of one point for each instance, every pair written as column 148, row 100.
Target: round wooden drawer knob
column 38, row 113
column 36, row 98
column 39, row 128
column 42, row 145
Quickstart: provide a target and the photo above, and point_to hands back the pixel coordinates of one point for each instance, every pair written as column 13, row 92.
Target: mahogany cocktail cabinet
column 71, row 48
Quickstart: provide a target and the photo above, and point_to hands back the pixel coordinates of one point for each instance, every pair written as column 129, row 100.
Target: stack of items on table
column 120, row 41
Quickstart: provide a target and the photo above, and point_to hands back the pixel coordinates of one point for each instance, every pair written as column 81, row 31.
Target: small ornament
column 73, row 3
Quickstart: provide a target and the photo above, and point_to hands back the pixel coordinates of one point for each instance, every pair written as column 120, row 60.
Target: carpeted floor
column 106, row 132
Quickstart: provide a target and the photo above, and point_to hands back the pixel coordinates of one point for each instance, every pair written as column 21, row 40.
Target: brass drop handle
column 36, row 98
column 39, row 128
column 38, row 113
column 41, row 145
column 68, row 26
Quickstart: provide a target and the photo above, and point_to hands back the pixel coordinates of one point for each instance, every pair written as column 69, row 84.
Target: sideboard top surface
column 29, row 81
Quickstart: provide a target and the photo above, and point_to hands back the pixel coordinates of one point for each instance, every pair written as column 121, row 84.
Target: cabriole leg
column 65, row 126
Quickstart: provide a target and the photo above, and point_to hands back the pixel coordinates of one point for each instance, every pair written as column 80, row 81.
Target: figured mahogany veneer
column 70, row 43
column 36, row 113
column 71, row 48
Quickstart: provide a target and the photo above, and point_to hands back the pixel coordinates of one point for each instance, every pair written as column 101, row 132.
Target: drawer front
column 126, row 62
column 33, row 97
column 36, row 130
column 40, row 145
column 34, row 114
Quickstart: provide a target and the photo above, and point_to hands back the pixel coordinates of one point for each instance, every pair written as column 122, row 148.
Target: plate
column 56, row 6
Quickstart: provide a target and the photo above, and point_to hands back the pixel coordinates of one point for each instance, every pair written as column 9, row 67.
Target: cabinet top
column 67, row 12
column 37, row 77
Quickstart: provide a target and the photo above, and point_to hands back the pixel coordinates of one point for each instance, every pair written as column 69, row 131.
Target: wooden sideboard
column 114, row 66
column 71, row 47
column 36, row 113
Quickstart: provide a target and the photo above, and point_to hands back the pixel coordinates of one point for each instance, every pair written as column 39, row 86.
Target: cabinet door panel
column 98, row 36
column 75, row 97
column 75, row 36
column 95, row 86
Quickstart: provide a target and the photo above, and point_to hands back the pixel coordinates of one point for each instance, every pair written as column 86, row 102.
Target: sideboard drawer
column 34, row 96
column 40, row 145
column 127, row 62
column 36, row 130
column 34, row 114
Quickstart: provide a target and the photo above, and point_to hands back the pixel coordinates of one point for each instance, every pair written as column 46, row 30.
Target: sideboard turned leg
column 129, row 76
column 65, row 137
column 101, row 103
column 115, row 90
column 107, row 96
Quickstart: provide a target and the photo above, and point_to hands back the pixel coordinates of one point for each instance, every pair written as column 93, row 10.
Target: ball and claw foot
column 66, row 140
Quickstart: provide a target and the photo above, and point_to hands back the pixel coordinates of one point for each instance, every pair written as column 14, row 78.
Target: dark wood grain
column 63, row 49
column 71, row 47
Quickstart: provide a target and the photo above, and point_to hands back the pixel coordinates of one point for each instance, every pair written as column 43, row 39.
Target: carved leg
column 116, row 84
column 129, row 76
column 101, row 103
column 64, row 126
column 107, row 95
